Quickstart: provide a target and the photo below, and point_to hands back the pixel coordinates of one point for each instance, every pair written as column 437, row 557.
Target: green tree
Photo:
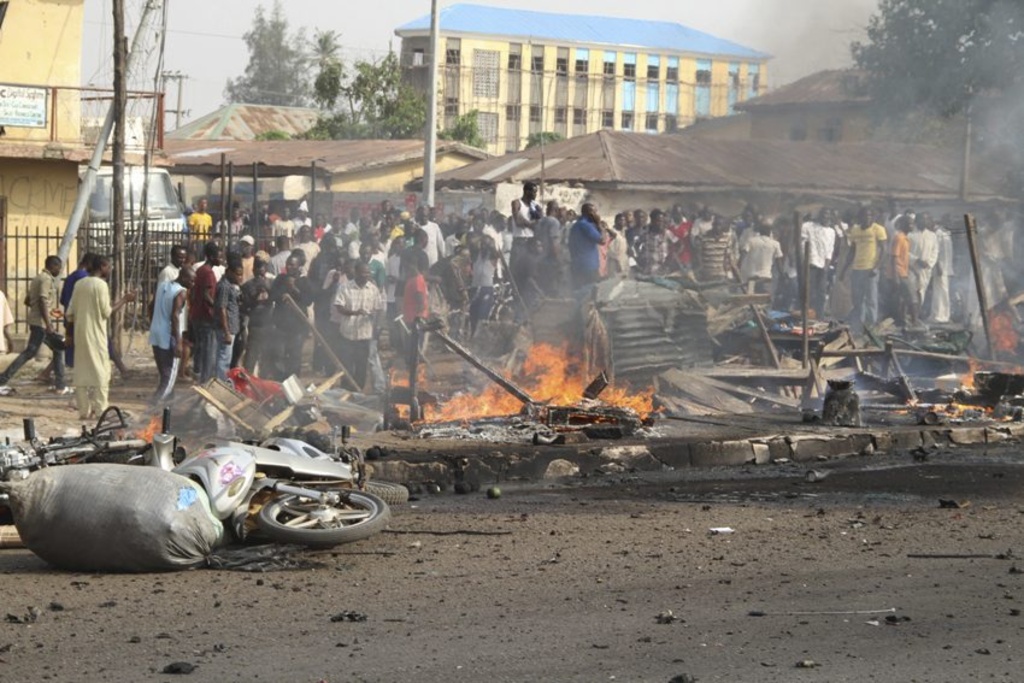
column 374, row 103
column 466, row 129
column 278, row 69
column 547, row 136
column 940, row 54
column 330, row 69
column 273, row 135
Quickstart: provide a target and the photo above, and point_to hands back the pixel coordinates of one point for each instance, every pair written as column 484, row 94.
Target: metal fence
column 147, row 249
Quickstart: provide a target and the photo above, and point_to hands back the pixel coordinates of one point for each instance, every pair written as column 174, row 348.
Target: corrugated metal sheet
column 246, row 122
column 576, row 28
column 683, row 162
column 295, row 156
column 837, row 86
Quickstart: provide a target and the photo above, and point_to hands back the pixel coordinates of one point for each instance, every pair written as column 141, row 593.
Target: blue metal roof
column 576, row 28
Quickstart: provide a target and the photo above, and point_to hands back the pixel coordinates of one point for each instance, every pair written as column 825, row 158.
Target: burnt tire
column 299, row 520
column 390, row 493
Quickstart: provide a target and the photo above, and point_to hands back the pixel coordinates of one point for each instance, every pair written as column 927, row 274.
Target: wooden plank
column 286, row 414
column 698, row 390
column 319, row 337
column 219, row 405
column 751, row 393
column 773, row 353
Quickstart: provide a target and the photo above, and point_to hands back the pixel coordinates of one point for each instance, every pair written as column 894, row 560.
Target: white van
column 163, row 209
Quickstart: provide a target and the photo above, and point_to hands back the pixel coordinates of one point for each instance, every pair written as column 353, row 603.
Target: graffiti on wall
column 34, row 194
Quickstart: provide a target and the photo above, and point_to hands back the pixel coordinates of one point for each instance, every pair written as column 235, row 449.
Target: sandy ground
column 567, row 583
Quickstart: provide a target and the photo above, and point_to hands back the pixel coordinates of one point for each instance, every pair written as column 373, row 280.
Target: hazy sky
column 204, row 40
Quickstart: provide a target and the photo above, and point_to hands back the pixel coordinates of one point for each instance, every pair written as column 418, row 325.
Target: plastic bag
column 116, row 518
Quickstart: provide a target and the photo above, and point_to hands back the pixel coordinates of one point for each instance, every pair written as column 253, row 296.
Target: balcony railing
column 74, row 115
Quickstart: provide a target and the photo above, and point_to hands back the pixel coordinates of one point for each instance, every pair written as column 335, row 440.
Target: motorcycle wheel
column 295, row 519
column 390, row 493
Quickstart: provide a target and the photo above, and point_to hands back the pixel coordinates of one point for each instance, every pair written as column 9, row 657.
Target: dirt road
column 571, row 584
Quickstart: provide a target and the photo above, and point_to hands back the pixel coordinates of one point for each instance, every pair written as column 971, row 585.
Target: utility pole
column 180, row 111
column 150, row 11
column 117, row 157
column 430, row 153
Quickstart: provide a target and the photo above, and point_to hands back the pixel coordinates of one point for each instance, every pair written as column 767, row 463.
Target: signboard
column 23, row 107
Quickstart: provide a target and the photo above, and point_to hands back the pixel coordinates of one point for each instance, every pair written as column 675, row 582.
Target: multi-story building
column 530, row 72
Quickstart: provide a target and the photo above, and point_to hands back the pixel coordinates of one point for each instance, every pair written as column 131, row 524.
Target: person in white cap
column 303, row 218
column 247, row 245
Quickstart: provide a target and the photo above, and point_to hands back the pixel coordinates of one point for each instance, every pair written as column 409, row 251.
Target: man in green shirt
column 43, row 297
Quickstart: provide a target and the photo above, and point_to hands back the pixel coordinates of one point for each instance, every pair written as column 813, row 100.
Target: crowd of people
column 253, row 294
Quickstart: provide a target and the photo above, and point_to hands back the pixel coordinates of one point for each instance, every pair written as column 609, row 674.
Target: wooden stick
column 806, row 303
column 979, row 282
column 319, row 337
column 765, row 337
column 212, row 400
column 894, row 363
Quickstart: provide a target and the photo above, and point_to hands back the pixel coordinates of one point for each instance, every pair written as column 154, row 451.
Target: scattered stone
column 683, row 678
column 1015, row 570
column 954, row 504
column 1014, row 612
column 462, row 488
column 559, row 468
column 983, row 651
column 135, row 640
column 755, row 613
column 893, row 619
column 349, row 615
column 56, row 607
column 179, row 668
column 807, row 664
column 109, row 603
column 666, row 617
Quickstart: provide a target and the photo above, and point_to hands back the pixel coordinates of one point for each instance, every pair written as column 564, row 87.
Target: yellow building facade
column 520, row 86
column 40, row 134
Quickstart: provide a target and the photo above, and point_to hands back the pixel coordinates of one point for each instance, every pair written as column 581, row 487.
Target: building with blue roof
column 525, row 72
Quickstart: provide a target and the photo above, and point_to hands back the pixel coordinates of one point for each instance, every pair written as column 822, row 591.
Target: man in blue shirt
column 584, row 240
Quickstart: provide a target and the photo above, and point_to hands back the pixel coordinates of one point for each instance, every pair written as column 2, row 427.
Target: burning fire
column 150, row 430
column 548, row 376
column 1004, row 335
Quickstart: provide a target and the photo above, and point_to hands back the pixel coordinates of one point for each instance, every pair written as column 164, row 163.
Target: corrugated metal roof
column 690, row 163
column 576, row 28
column 837, row 86
column 286, row 157
column 246, row 122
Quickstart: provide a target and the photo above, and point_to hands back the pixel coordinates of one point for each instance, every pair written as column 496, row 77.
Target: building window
column 513, row 112
column 579, row 116
column 451, row 106
column 704, row 76
column 672, row 70
column 607, row 119
column 535, row 113
column 515, row 62
column 653, row 68
column 832, row 131
column 582, row 66
column 487, row 124
column 609, row 63
column 537, row 64
column 562, row 66
column 485, row 73
column 629, row 71
column 561, row 115
column 453, row 55
column 671, row 123
column 651, row 124
column 419, row 57
column 627, row 120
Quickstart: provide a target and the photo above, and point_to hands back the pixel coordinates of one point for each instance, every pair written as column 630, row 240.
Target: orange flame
column 549, row 377
column 150, row 430
column 1004, row 336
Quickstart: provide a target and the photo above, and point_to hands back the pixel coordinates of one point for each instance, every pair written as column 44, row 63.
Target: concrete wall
column 394, row 177
column 779, row 125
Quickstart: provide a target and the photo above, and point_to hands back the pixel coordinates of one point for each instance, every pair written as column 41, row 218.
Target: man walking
column 167, row 328
column 89, row 311
column 41, row 300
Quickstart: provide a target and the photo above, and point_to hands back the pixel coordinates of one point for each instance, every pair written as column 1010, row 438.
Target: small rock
column 135, row 639
column 807, row 664
column 109, row 603
column 983, row 651
column 1015, row 570
column 683, row 678
column 179, row 668
column 56, row 607
column 666, row 617
column 349, row 615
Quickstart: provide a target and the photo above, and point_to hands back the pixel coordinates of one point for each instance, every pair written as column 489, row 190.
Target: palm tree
column 326, row 46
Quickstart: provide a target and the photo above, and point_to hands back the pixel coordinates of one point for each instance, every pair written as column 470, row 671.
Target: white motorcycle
column 285, row 489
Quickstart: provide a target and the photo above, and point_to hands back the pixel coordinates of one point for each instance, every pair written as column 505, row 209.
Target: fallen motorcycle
column 283, row 488
column 102, row 443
